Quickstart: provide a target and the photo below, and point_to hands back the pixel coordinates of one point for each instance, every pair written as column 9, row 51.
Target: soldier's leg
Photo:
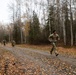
column 12, row 45
column 4, row 43
column 55, row 49
column 52, row 49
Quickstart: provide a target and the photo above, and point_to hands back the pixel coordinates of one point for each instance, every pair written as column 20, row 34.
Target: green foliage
column 67, row 24
column 17, row 33
column 6, row 37
column 74, row 32
column 67, row 28
column 46, row 32
column 34, row 33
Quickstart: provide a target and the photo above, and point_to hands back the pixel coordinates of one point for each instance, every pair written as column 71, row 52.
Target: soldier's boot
column 57, row 54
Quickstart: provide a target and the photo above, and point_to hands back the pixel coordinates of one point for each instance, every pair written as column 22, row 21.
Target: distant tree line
column 61, row 18
column 59, row 15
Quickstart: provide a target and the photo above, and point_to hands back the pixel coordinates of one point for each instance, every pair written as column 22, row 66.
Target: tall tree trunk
column 64, row 31
column 71, row 22
column 75, row 38
column 13, row 12
column 58, row 16
column 49, row 16
column 20, row 21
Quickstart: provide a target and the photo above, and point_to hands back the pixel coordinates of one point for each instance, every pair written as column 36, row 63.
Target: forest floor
column 66, row 51
column 36, row 60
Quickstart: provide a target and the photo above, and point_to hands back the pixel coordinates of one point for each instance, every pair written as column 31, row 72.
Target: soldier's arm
column 58, row 37
column 50, row 37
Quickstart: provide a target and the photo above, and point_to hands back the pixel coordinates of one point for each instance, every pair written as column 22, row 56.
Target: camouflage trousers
column 54, row 48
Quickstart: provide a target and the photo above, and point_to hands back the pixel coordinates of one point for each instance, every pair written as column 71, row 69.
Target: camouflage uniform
column 4, row 42
column 13, row 43
column 53, row 39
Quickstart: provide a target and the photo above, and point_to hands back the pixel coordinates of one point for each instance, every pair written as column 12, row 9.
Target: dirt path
column 49, row 64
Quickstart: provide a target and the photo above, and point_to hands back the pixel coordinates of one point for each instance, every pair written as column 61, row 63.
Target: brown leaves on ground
column 67, row 51
column 9, row 65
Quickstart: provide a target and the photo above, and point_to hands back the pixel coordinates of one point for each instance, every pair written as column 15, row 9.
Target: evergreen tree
column 34, row 33
column 16, row 33
column 50, row 25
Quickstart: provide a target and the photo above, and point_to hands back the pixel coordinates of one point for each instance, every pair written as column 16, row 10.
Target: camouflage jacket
column 53, row 37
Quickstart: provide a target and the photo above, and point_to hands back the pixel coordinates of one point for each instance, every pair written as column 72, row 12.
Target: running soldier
column 4, row 42
column 13, row 43
column 53, row 38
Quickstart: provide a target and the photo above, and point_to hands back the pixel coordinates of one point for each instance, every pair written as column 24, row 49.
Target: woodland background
column 33, row 20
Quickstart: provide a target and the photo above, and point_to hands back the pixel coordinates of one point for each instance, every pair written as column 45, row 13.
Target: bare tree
column 49, row 16
column 71, row 24
column 64, row 31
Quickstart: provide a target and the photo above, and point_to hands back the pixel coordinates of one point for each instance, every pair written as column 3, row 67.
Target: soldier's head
column 54, row 31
